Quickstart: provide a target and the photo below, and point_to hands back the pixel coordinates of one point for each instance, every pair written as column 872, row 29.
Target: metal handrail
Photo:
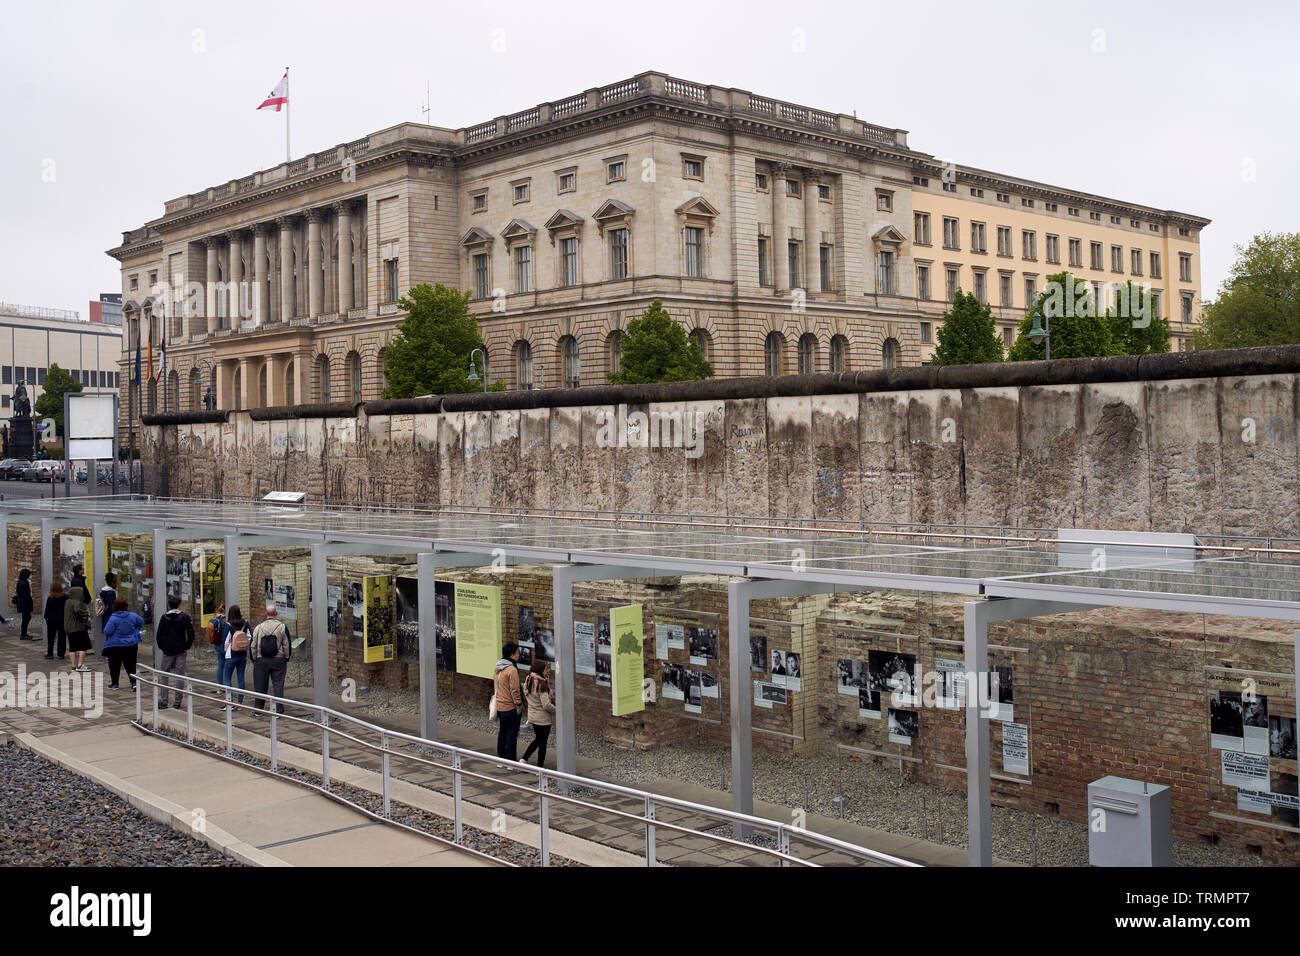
column 147, row 675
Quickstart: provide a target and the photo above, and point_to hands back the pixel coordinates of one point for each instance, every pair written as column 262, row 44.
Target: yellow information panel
column 628, row 671
column 212, row 585
column 378, row 634
column 89, row 561
column 478, row 629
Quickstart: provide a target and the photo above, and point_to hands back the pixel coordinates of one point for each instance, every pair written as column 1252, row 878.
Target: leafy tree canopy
column 968, row 335
column 656, row 349
column 50, row 405
column 1068, row 308
column 430, row 355
column 1259, row 302
column 1135, row 329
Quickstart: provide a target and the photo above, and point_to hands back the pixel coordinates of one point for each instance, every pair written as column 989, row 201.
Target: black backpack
column 269, row 644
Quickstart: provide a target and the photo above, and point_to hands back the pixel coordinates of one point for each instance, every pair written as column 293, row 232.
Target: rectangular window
column 981, row 292
column 793, row 255
column 1155, row 304
column 1053, row 249
column 1095, row 216
column 1050, row 207
column 923, row 282
column 950, row 233
column 978, row 238
column 1116, row 258
column 1004, row 241
column 1182, row 231
column 1184, row 267
column 1003, row 197
column 692, row 168
column 1028, row 244
column 694, row 252
column 1006, row 336
column 826, row 267
column 1155, row 265
column 1114, row 220
column 7, row 375
column 521, row 192
column 1187, row 307
column 824, row 192
column 925, row 333
column 764, row 272
column 976, row 192
column 1031, row 290
column 481, row 275
column 566, row 182
column 1094, row 250
column 524, row 269
column 1073, row 211
column 885, row 274
column 921, row 228
column 950, row 187
column 390, row 285
column 884, row 200
column 1004, row 291
column 792, row 187
column 1029, row 203
column 1076, row 253
column 615, row 171
column 1135, row 259
column 618, row 253
column 40, row 375
column 569, row 261
column 953, row 282
column 478, row 201
column 760, row 182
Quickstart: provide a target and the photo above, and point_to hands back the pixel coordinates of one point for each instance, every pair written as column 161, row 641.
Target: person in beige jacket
column 541, row 709
column 509, row 701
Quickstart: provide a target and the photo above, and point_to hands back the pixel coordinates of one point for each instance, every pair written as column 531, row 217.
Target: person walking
column 122, row 642
column 23, row 602
column 541, row 709
column 76, row 622
column 105, row 599
column 171, row 645
column 215, row 630
column 270, row 648
column 233, row 650
column 53, row 615
column 510, row 701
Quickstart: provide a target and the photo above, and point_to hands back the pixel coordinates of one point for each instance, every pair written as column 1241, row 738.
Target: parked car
column 11, row 469
column 45, row 470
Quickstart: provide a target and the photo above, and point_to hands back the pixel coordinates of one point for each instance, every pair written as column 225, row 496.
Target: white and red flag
column 279, row 96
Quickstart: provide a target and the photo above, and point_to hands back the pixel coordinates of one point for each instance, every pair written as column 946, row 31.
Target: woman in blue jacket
column 121, row 641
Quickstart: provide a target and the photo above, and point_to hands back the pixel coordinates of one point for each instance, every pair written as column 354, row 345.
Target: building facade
column 33, row 338
column 783, row 238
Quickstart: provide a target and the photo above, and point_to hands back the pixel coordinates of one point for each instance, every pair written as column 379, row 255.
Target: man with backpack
column 174, row 639
column 270, row 649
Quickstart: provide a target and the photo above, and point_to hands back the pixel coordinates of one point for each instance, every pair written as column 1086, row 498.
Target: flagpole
column 287, row 156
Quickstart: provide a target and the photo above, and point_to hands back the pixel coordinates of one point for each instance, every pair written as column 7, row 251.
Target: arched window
column 173, row 391
column 261, row 387
column 288, row 384
column 354, row 375
column 196, row 390
column 889, row 354
column 381, row 366
column 323, row 379
column 524, row 363
column 702, row 338
column 213, row 385
column 839, row 353
column 572, row 370
column 772, row 350
column 615, row 350
column 807, row 353
column 237, row 399
column 153, row 397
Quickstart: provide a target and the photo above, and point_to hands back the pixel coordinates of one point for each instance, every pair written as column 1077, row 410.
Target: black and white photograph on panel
column 1225, row 719
column 1281, row 737
column 268, row 592
column 527, row 624
column 671, row 682
column 704, row 645
column 773, row 694
column 708, row 684
column 444, row 618
column 602, row 652
column 793, row 679
column 868, row 703
column 357, row 603
column 525, row 662
column 1001, row 694
column 851, row 676
column 778, row 667
column 544, row 643
column 1254, row 723
column 904, row 725
column 893, row 674
column 693, row 690
column 406, row 592
column 758, row 652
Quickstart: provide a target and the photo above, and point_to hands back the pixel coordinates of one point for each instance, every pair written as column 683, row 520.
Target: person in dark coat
column 23, row 601
column 53, row 614
column 172, row 643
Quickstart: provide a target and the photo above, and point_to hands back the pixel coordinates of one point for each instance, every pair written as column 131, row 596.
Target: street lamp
column 1041, row 329
column 473, row 372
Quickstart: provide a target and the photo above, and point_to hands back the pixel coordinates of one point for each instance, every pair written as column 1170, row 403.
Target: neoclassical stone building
column 785, row 239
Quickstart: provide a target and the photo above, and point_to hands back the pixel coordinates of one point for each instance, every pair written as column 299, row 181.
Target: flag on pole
column 279, row 96
column 162, row 362
column 136, row 377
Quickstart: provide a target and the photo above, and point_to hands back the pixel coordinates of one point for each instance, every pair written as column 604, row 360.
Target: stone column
column 238, row 294
column 286, row 268
column 315, row 287
column 343, row 212
column 812, row 237
column 226, row 385
column 262, row 293
column 780, row 229
column 275, row 367
column 248, row 370
column 210, row 303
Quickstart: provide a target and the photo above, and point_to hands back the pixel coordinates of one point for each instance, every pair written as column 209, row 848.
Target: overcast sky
column 111, row 108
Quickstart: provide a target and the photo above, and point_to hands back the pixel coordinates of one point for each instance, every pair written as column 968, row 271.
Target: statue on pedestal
column 22, row 404
column 20, row 437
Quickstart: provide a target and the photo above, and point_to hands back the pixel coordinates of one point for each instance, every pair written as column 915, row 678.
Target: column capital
column 261, row 229
column 212, row 242
column 780, row 170
column 342, row 207
column 285, row 222
column 314, row 215
column 811, row 176
column 235, row 235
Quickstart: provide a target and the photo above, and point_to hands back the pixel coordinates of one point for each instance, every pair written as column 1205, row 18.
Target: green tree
column 430, row 355
column 1135, row 329
column 1071, row 315
column 968, row 335
column 50, row 405
column 1259, row 302
column 656, row 349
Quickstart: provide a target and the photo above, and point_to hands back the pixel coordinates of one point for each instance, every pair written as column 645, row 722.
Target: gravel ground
column 876, row 796
column 474, row 839
column 50, row 816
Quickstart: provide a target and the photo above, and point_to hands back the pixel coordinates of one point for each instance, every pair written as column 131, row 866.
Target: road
column 38, row 489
